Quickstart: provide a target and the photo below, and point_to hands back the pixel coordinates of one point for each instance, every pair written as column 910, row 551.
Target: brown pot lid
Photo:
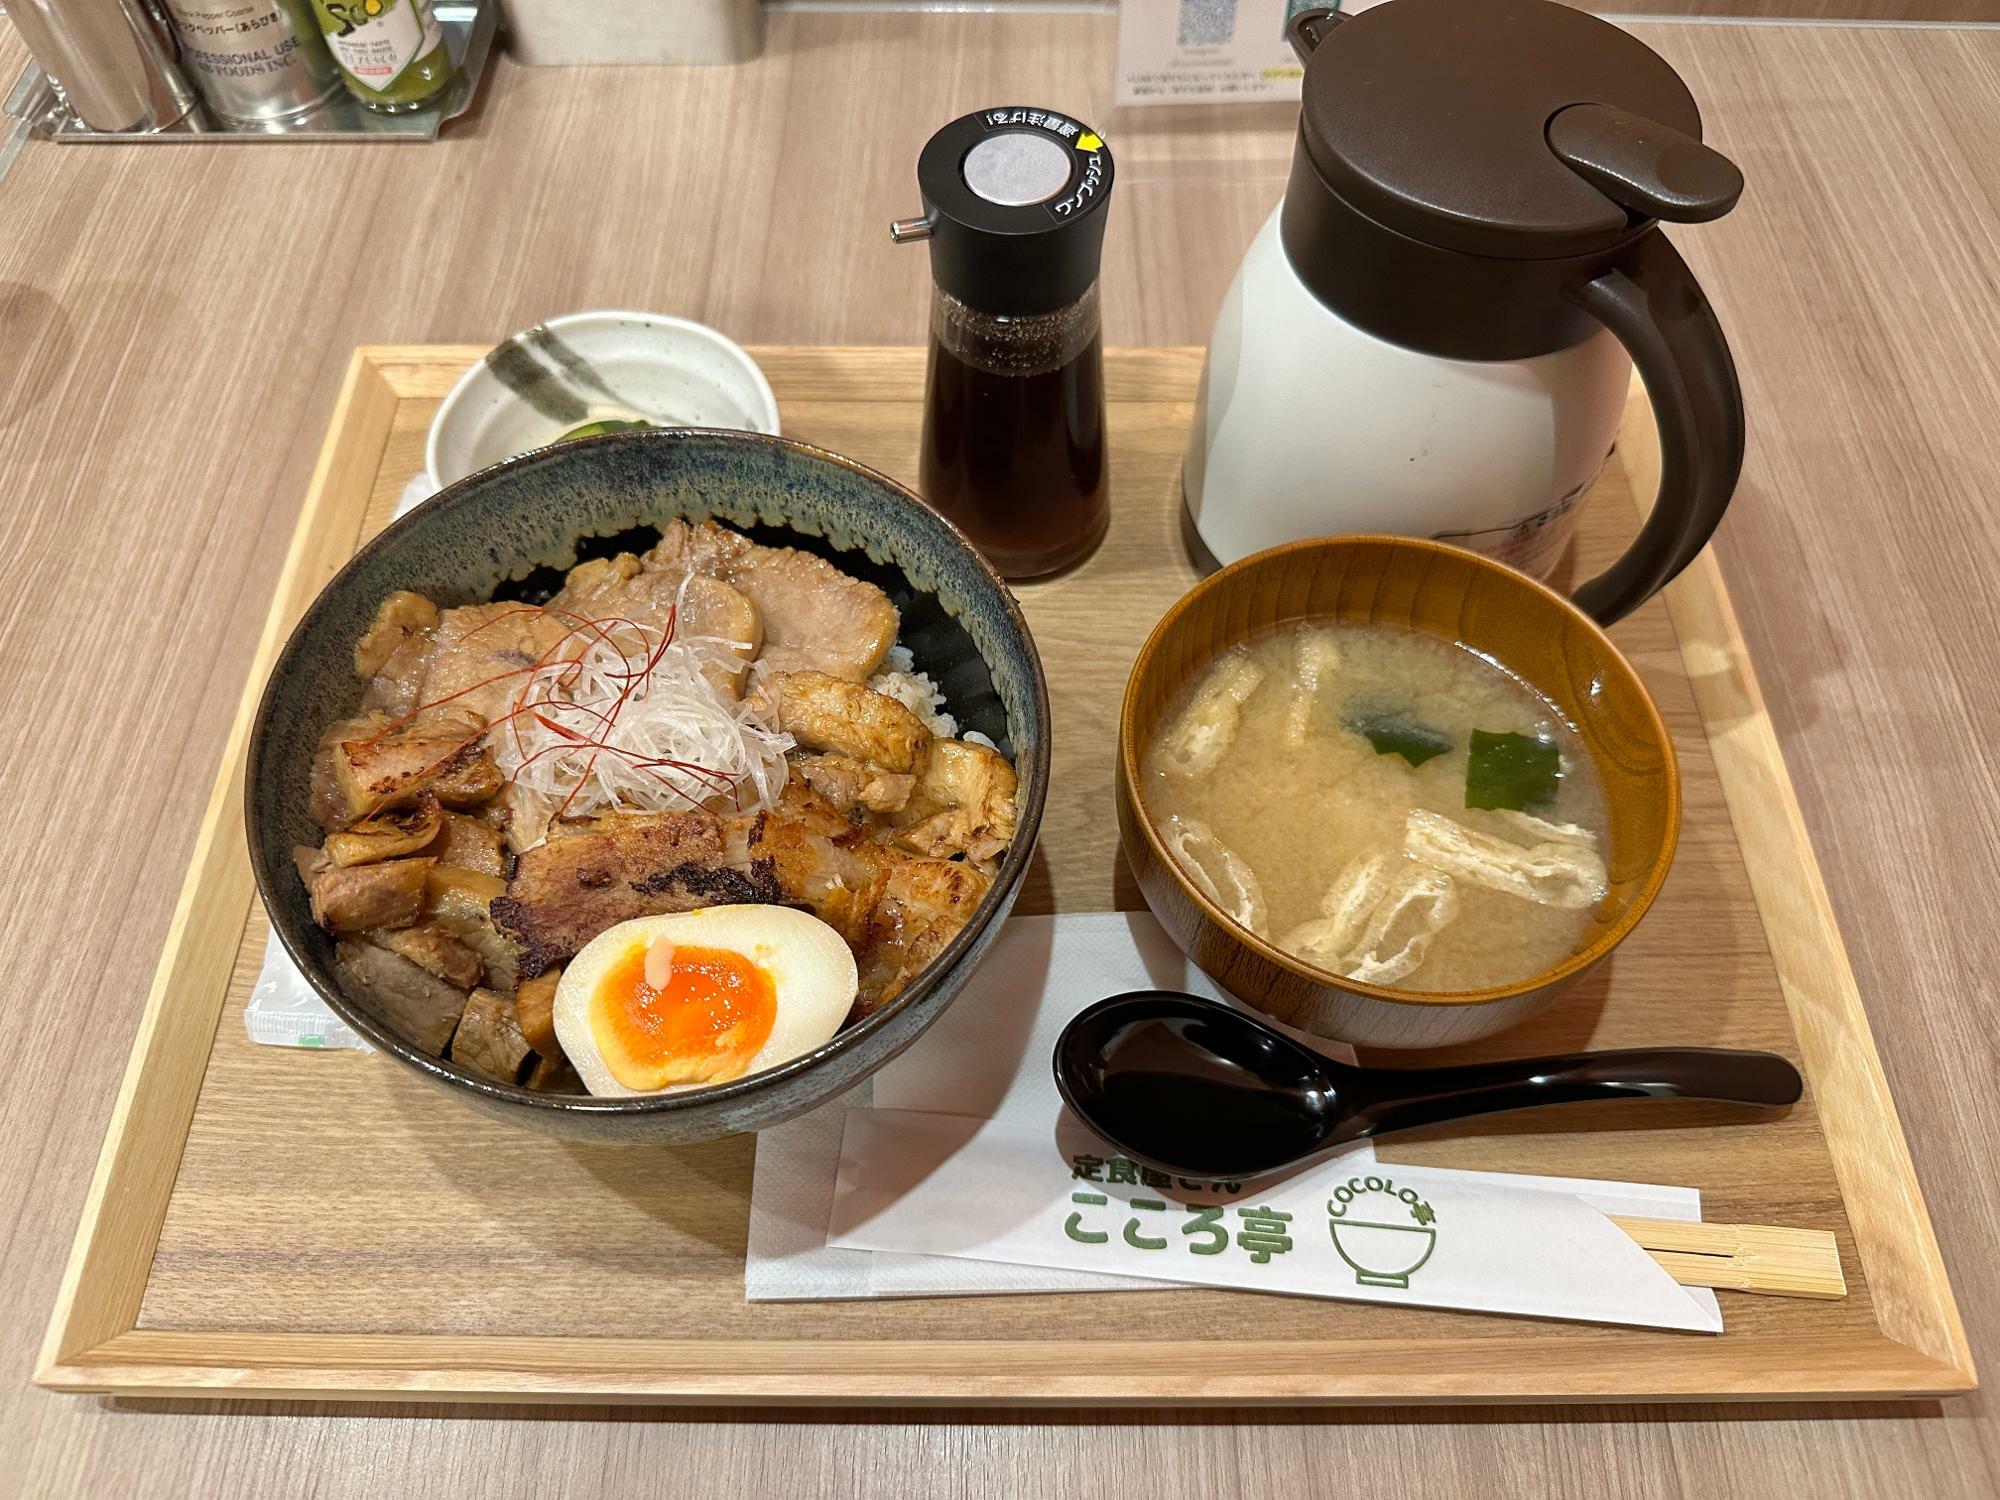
column 1432, row 116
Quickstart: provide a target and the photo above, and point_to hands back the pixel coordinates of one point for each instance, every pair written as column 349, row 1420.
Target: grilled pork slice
column 389, row 894
column 713, row 608
column 583, row 880
column 853, row 786
column 389, row 834
column 461, row 902
column 963, row 804
column 699, row 547
column 470, row 660
column 330, row 807
column 390, row 657
column 489, row 1040
column 432, row 948
column 480, row 654
column 400, row 618
column 934, row 888
column 823, row 712
column 367, row 764
column 415, row 1004
column 924, row 904
column 554, row 1075
column 894, row 908
column 806, row 854
column 815, row 617
column 311, row 863
column 600, row 587
column 902, row 946
column 616, row 588
column 535, row 1009
column 469, row 844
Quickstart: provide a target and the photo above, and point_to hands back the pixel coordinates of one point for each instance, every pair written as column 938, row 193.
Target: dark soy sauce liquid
column 1016, row 460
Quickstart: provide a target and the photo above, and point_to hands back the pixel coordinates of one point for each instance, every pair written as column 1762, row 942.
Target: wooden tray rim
column 94, row 1342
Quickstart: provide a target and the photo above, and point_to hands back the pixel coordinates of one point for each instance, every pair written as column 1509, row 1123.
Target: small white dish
column 583, row 367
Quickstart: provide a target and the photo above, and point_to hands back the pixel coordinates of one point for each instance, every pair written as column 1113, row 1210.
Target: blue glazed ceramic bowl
column 510, row 531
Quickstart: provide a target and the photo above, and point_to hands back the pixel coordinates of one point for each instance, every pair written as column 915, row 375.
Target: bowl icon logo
column 1384, row 1232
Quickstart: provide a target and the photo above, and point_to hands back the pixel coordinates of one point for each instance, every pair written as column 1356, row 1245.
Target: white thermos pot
column 1433, row 334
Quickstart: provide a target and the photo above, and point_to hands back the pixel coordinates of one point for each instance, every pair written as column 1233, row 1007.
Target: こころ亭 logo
column 1384, row 1232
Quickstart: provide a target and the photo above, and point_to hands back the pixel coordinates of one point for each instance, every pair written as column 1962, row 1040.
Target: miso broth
column 1316, row 784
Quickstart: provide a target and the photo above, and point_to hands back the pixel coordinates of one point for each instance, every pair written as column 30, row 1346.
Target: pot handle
column 1651, row 301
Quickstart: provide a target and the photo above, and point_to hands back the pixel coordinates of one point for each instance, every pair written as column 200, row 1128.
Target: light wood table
column 173, row 321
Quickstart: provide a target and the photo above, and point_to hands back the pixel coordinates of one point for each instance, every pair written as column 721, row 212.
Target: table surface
column 173, row 325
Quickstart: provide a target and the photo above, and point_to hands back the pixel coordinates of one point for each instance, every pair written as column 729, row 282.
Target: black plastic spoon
column 1195, row 1088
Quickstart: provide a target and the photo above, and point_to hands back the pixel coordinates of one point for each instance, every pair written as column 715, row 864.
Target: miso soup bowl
column 1453, row 595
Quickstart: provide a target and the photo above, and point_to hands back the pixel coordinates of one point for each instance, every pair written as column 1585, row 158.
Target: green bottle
column 391, row 53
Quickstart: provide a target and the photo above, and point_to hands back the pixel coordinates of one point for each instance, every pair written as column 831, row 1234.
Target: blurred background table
column 173, row 325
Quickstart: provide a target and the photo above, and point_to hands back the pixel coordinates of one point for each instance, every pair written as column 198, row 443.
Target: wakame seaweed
column 1511, row 772
column 1392, row 734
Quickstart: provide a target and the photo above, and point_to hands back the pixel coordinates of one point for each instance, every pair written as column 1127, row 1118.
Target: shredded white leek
column 632, row 724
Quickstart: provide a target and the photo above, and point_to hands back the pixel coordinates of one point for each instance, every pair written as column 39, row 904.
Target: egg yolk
column 704, row 1024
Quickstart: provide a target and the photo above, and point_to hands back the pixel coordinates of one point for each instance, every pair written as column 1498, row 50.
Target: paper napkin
column 1048, row 1194
column 986, row 1057
column 952, row 1172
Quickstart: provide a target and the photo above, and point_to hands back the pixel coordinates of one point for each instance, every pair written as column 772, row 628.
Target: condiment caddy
column 468, row 27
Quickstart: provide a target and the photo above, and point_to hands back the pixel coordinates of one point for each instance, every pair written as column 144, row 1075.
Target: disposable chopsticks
column 1766, row 1258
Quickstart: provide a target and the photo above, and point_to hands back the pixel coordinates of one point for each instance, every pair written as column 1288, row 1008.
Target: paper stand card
column 1210, row 51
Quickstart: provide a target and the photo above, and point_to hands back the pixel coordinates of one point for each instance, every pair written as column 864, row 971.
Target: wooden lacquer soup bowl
column 1455, row 596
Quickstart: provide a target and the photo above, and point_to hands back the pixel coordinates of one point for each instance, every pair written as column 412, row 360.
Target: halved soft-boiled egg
column 701, row 997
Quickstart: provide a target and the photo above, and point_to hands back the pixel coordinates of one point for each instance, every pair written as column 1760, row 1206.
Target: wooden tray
column 274, row 1223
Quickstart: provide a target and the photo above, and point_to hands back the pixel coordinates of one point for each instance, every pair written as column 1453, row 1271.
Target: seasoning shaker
column 254, row 60
column 108, row 59
column 1013, row 441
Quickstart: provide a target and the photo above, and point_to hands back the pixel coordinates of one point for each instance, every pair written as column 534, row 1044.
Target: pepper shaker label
column 254, row 59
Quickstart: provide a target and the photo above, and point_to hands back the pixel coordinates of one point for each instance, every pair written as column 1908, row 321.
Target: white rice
column 915, row 690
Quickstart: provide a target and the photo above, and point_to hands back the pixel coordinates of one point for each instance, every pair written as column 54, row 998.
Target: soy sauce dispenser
column 1013, row 445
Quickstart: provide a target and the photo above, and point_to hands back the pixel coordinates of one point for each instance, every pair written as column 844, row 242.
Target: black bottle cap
column 1014, row 203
